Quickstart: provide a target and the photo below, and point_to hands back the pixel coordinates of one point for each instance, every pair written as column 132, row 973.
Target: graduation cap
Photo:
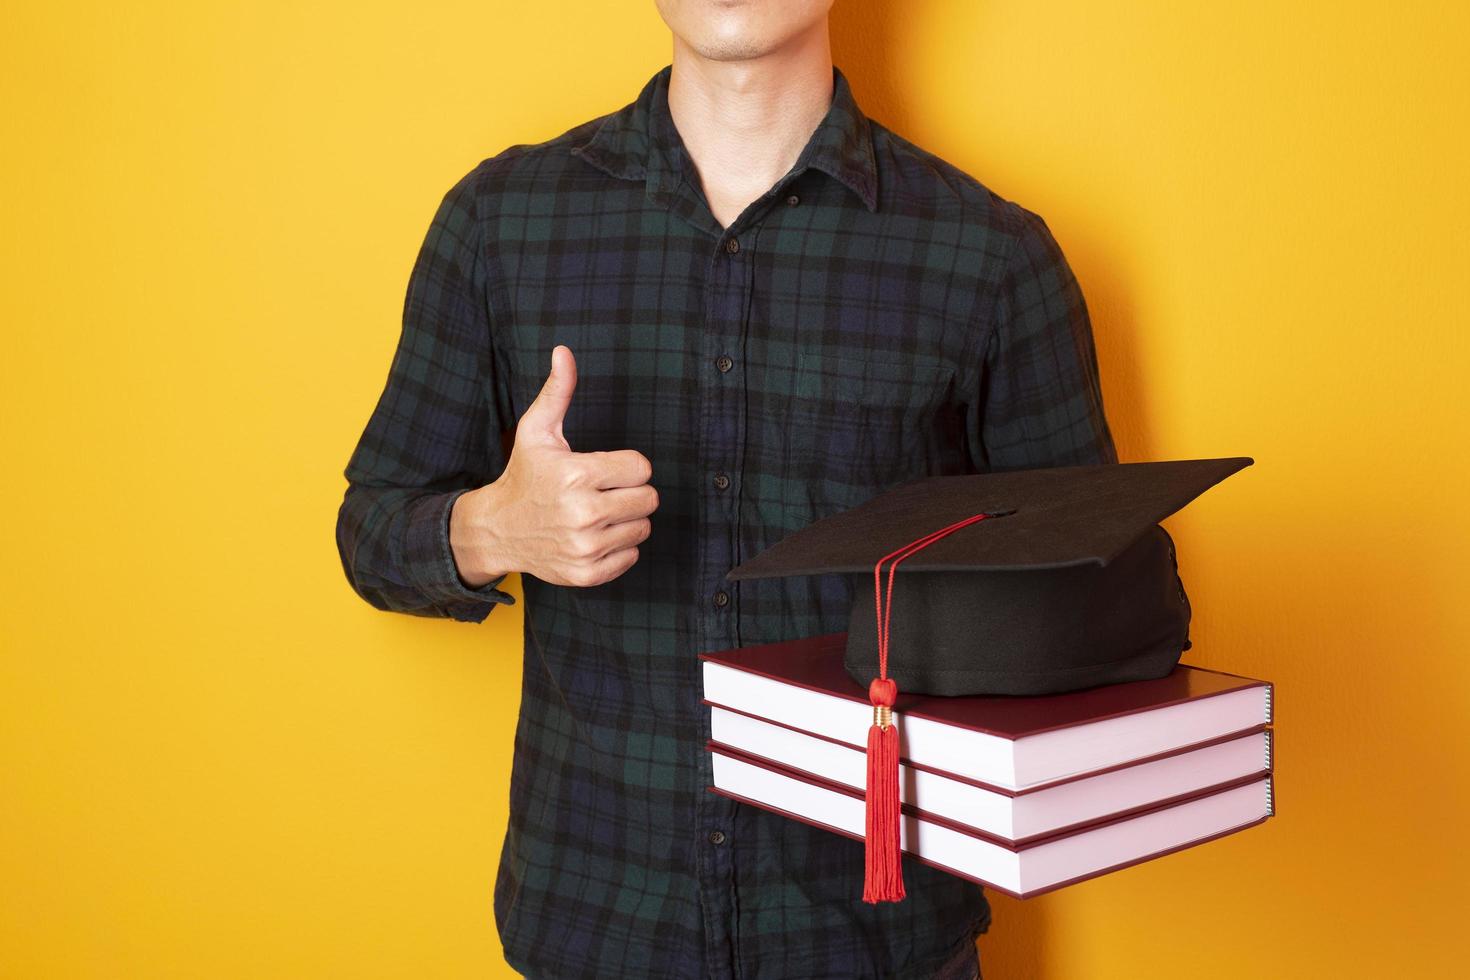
column 1024, row 582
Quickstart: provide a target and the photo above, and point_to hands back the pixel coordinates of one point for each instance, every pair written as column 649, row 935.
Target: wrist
column 473, row 540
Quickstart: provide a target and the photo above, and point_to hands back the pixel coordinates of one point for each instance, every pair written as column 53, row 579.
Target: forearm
column 395, row 548
column 432, row 434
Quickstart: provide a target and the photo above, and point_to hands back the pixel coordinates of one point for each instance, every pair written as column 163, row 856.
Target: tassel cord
column 883, row 854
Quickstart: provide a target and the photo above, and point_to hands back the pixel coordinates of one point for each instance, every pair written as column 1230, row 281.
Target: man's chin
column 733, row 49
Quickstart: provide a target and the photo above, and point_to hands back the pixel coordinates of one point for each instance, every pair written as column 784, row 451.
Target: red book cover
column 815, row 663
column 1006, row 790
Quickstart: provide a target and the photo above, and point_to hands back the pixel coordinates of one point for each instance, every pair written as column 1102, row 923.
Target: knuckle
column 582, row 547
column 571, row 474
column 580, row 575
column 580, row 514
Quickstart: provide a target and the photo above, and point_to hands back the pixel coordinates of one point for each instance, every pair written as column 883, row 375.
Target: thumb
column 542, row 420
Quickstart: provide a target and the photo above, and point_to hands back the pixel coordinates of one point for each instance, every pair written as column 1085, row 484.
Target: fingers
column 542, row 421
column 619, row 468
column 582, row 515
column 627, row 503
column 606, row 569
column 627, row 534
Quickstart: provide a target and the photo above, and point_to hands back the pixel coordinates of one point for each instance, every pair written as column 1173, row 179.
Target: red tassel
column 883, row 871
column 883, row 853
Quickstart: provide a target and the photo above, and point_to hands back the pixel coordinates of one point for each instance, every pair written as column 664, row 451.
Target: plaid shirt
column 876, row 316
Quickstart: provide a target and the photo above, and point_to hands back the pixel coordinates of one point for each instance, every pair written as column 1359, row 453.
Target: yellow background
column 216, row 761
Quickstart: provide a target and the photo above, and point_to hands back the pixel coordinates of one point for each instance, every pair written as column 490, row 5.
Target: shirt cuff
column 430, row 561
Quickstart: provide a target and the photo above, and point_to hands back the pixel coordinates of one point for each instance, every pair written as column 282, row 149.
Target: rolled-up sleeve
column 434, row 434
column 1034, row 398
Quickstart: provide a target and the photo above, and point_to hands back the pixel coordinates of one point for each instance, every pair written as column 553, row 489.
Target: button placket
column 721, row 440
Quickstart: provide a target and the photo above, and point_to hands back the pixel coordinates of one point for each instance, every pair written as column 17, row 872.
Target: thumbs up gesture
column 567, row 518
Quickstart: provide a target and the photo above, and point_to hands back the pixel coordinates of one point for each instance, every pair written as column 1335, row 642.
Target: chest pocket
column 857, row 420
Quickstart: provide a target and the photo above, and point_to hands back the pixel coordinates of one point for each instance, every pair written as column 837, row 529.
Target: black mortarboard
column 1070, row 582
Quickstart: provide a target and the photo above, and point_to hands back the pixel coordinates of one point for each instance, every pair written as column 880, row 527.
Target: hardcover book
column 995, row 811
column 1020, row 870
column 1005, row 742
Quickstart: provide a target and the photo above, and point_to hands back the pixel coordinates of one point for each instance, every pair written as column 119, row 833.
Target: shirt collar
column 640, row 141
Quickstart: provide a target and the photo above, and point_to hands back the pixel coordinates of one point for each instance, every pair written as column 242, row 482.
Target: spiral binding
column 1270, row 802
column 1269, row 689
column 1269, row 734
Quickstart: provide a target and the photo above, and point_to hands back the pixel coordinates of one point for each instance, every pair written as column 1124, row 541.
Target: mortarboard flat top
column 1058, row 517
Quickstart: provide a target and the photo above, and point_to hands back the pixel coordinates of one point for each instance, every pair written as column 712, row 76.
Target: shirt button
column 793, row 200
column 722, row 598
column 732, row 245
column 722, row 482
column 724, row 363
column 717, row 837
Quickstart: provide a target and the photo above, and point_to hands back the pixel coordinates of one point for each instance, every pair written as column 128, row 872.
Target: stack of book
column 1022, row 794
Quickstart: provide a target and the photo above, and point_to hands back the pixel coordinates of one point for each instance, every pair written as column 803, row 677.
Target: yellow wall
column 215, row 761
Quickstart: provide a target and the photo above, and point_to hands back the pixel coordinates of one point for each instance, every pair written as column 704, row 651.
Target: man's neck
column 744, row 123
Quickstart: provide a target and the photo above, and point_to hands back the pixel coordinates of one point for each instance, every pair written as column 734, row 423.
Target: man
column 757, row 307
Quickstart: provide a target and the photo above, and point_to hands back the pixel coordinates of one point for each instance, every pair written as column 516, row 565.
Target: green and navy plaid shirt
column 876, row 316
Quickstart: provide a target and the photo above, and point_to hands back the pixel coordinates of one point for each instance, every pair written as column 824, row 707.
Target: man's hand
column 567, row 518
